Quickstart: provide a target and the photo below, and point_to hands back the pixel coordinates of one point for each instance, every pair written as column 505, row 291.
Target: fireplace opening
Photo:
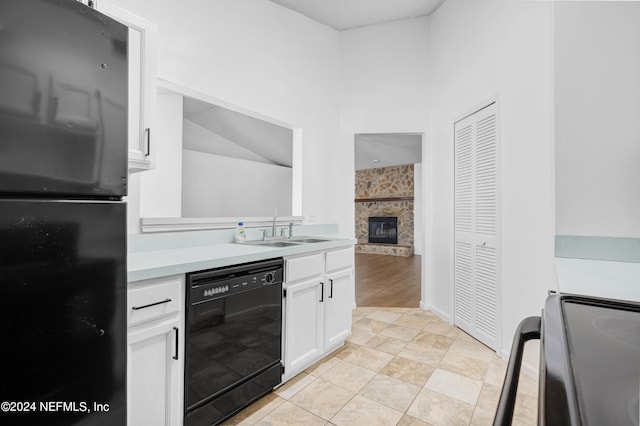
column 383, row 230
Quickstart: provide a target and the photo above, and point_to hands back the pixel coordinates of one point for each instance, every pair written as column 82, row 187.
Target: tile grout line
column 455, row 364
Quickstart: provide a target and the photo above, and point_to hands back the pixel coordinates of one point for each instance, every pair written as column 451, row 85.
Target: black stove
column 589, row 362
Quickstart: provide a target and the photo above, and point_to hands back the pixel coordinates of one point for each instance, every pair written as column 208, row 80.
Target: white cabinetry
column 318, row 303
column 155, row 352
column 142, row 83
column 339, row 277
column 304, row 312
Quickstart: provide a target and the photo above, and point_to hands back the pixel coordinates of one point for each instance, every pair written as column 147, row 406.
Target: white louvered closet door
column 476, row 257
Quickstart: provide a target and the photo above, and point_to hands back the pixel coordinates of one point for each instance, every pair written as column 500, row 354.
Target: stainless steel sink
column 309, row 240
column 288, row 242
column 271, row 243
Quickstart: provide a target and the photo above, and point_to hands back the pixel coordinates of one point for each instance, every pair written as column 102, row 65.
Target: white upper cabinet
column 142, row 83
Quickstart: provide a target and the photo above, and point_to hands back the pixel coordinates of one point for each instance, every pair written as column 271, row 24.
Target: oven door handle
column 529, row 329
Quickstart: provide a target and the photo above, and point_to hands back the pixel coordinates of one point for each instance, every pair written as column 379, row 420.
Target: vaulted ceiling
column 240, row 136
column 374, row 150
column 221, row 131
column 348, row 14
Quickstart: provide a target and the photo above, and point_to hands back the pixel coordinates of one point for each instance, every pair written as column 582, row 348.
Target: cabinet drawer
column 339, row 259
column 303, row 267
column 152, row 301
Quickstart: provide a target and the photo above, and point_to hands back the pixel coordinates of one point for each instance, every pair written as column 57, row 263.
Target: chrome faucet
column 273, row 228
column 290, row 229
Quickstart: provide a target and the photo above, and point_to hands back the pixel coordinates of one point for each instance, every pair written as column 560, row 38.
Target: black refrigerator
column 63, row 173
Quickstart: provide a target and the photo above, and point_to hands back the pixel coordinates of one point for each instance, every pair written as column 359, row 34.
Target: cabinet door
column 142, row 83
column 304, row 306
column 337, row 326
column 153, row 375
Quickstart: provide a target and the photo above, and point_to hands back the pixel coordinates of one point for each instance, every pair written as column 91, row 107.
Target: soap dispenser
column 240, row 234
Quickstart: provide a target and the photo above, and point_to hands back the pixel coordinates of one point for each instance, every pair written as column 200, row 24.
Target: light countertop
column 179, row 258
column 607, row 267
column 599, row 278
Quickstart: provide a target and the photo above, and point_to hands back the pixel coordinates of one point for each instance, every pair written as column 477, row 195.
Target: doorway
column 389, row 195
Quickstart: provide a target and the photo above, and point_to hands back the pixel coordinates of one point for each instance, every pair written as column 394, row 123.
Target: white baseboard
column 504, row 354
column 443, row 316
column 528, row 368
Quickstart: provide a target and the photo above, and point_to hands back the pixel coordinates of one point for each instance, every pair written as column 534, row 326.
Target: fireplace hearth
column 383, row 230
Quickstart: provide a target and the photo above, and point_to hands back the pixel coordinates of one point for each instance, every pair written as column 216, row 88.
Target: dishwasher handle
column 528, row 329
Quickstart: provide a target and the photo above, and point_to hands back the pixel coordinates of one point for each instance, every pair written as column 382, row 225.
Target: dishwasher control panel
column 221, row 282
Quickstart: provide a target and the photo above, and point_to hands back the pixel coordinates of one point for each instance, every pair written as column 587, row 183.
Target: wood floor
column 387, row 281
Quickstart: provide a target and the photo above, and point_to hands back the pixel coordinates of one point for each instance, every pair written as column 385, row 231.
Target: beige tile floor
column 401, row 366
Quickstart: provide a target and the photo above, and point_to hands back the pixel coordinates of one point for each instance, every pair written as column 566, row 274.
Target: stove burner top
column 619, row 328
column 604, row 354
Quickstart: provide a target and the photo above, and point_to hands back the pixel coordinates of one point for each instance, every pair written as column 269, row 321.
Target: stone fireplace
column 381, row 194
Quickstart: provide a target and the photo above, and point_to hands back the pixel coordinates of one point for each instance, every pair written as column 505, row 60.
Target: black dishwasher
column 233, row 339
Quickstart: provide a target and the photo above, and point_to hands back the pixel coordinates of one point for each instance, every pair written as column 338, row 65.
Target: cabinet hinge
column 284, row 293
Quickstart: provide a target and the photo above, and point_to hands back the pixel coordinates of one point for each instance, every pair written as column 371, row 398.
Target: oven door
column 230, row 341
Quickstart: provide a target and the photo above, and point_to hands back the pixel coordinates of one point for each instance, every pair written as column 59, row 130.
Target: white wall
column 408, row 76
column 479, row 50
column 267, row 59
column 597, row 77
column 216, row 186
column 418, row 211
column 161, row 188
column 384, row 87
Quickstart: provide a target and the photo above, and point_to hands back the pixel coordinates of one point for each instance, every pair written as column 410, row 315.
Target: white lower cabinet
column 304, row 325
column 153, row 375
column 337, row 324
column 155, row 354
column 318, row 304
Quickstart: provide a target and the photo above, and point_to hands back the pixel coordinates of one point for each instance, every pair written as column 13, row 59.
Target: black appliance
column 589, row 362
column 233, row 339
column 63, row 172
